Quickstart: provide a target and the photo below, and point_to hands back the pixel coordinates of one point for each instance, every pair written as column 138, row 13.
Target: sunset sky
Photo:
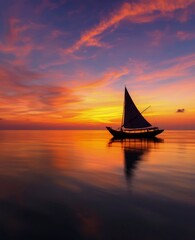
column 64, row 63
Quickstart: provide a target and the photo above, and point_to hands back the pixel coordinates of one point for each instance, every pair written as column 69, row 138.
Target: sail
column 132, row 117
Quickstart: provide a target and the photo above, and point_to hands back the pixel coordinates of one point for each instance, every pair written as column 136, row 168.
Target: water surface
column 83, row 185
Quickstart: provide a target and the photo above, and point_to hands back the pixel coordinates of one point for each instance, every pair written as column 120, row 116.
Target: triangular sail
column 132, row 117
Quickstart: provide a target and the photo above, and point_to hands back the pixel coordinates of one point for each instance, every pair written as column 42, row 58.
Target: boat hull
column 134, row 134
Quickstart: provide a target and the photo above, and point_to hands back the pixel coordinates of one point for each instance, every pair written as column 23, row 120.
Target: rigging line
column 145, row 109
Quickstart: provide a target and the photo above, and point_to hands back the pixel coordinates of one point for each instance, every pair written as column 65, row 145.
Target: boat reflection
column 135, row 150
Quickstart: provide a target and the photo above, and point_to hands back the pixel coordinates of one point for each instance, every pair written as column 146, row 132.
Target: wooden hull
column 133, row 134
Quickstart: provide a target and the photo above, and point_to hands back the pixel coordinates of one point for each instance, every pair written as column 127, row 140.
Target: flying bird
column 180, row 110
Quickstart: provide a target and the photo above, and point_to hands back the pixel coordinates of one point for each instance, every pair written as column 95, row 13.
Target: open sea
column 82, row 185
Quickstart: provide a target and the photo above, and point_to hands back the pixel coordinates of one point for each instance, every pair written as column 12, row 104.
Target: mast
column 122, row 120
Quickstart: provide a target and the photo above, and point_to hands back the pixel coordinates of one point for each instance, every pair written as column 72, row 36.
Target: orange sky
column 64, row 65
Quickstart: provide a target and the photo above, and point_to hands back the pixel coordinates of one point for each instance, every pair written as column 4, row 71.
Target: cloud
column 183, row 35
column 39, row 103
column 57, row 33
column 16, row 29
column 27, row 93
column 19, row 40
column 20, row 51
column 17, row 75
column 45, row 4
column 144, row 11
column 180, row 110
column 179, row 67
column 109, row 77
column 159, row 37
column 30, row 41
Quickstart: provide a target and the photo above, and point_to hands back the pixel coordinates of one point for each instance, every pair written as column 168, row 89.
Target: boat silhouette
column 134, row 125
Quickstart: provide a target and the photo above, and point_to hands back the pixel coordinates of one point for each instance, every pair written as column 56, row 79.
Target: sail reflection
column 134, row 152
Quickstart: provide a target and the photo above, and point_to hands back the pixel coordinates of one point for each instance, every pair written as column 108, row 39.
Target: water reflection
column 134, row 151
column 70, row 185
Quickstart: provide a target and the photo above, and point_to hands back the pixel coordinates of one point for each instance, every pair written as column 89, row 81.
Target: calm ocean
column 82, row 185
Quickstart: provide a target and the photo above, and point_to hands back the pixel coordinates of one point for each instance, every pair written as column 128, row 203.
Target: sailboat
column 133, row 125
